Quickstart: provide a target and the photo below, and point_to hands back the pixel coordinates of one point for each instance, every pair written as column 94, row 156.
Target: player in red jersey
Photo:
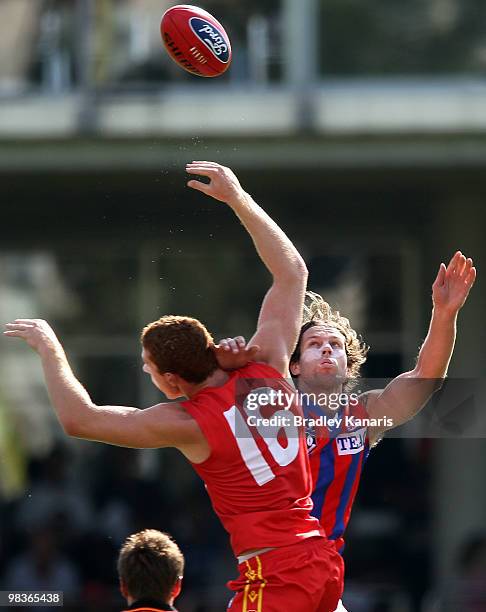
column 259, row 485
column 328, row 355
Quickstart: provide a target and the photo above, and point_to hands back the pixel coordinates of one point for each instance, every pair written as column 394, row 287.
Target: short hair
column 150, row 563
column 318, row 312
column 180, row 345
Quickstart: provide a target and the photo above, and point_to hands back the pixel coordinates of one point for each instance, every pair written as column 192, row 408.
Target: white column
column 300, row 19
column 299, row 50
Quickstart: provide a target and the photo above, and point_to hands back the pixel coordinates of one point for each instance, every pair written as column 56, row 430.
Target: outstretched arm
column 281, row 311
column 155, row 427
column 408, row 393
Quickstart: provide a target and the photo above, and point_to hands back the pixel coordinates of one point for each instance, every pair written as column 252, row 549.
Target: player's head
column 176, row 348
column 150, row 566
column 328, row 349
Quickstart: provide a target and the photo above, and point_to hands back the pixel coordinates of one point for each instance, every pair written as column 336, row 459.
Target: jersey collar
column 149, row 605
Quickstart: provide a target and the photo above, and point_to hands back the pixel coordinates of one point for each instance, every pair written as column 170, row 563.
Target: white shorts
column 340, row 607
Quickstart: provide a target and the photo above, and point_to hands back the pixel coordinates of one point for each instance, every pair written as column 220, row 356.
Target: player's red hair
column 182, row 346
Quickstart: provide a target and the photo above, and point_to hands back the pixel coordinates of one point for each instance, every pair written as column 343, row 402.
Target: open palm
column 452, row 285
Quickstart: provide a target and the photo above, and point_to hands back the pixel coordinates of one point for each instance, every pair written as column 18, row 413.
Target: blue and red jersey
column 337, row 454
column 259, row 485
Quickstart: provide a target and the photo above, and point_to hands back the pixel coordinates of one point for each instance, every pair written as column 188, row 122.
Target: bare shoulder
column 191, row 441
column 176, row 415
column 176, row 411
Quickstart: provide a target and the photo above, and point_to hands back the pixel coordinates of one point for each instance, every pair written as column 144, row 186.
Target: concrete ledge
column 333, row 108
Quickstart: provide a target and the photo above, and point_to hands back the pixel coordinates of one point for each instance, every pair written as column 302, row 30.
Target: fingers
column 456, row 261
column 15, row 334
column 223, row 344
column 208, row 169
column 19, row 326
column 471, row 277
column 26, row 321
column 467, row 282
column 231, row 353
column 467, row 267
column 461, row 268
column 233, row 344
column 198, row 186
column 204, row 168
column 19, row 329
column 452, row 261
column 461, row 275
column 22, row 327
column 440, row 279
column 461, row 264
column 206, row 164
column 252, row 351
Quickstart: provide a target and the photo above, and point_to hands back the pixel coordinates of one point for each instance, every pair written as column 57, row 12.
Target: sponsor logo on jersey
column 310, row 439
column 211, row 37
column 351, row 442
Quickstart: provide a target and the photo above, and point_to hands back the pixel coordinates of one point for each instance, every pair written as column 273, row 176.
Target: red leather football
column 196, row 40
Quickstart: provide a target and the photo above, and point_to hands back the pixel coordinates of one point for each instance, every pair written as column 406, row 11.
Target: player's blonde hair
column 318, row 312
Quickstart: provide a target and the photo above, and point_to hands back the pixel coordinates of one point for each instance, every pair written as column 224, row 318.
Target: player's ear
column 294, row 368
column 171, row 379
column 177, row 588
column 123, row 589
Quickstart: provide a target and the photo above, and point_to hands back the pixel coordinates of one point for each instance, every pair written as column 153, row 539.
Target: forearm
column 436, row 351
column 273, row 246
column 71, row 401
column 408, row 393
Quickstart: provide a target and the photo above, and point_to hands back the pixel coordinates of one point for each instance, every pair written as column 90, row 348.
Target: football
column 196, row 40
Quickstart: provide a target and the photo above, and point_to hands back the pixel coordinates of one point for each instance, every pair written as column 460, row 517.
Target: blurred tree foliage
column 376, row 37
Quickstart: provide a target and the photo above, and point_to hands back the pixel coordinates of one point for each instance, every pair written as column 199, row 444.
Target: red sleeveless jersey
column 258, row 479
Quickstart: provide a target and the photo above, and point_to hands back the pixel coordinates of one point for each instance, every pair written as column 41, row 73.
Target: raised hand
column 38, row 334
column 452, row 285
column 232, row 353
column 223, row 184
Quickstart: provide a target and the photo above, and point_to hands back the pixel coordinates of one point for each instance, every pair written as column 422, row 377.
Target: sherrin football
column 196, row 40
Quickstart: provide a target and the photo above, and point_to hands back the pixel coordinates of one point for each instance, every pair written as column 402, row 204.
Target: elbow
column 434, row 371
column 292, row 274
column 76, row 427
column 300, row 267
column 71, row 428
column 298, row 272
